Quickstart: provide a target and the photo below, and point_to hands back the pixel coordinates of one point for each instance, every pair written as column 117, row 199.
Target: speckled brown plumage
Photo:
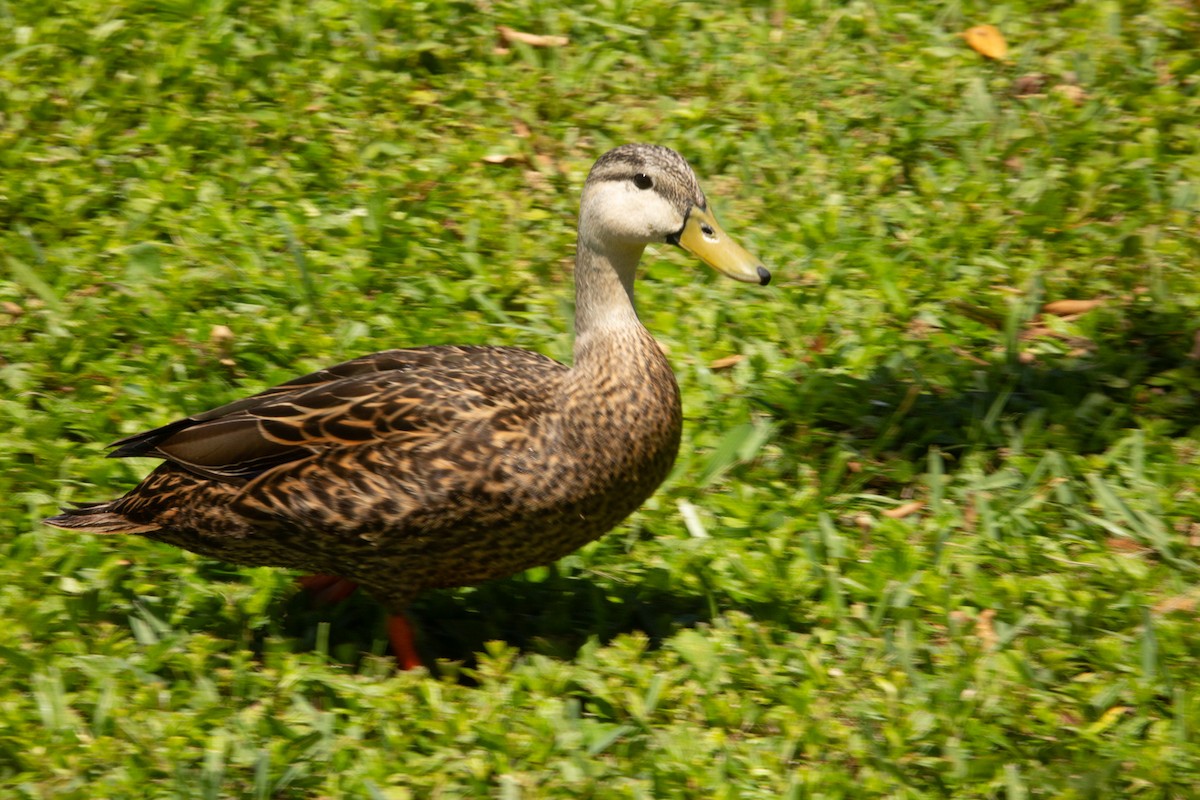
column 413, row 469
column 432, row 467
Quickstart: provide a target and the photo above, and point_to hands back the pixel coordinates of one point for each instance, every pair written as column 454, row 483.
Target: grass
column 200, row 198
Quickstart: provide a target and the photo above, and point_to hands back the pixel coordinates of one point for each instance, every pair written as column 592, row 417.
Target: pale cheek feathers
column 619, row 210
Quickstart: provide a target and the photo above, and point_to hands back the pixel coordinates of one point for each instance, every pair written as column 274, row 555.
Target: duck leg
column 329, row 589
column 400, row 632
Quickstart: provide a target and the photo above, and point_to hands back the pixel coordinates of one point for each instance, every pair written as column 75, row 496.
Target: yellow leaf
column 987, row 41
column 1107, row 720
column 509, row 35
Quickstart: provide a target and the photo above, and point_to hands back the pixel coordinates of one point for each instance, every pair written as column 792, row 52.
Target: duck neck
column 604, row 291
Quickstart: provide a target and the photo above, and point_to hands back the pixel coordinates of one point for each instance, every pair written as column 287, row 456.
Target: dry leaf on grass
column 221, row 336
column 537, row 180
column 970, row 515
column 963, row 353
column 900, row 512
column 1075, row 94
column 221, row 339
column 1064, row 308
column 503, row 159
column 725, row 362
column 1123, row 545
column 985, row 630
column 1181, row 603
column 1030, row 84
column 987, row 41
column 510, row 35
column 778, row 20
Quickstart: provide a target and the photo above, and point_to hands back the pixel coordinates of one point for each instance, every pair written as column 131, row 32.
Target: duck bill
column 703, row 237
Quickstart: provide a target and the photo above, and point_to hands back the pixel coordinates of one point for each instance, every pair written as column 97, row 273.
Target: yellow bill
column 703, row 237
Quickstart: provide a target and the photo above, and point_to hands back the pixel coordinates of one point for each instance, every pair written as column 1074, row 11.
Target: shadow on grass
column 1081, row 401
column 554, row 616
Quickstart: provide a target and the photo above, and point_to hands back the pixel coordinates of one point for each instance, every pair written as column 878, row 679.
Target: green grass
column 313, row 177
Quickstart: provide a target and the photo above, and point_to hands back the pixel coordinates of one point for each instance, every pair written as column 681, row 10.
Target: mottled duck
column 444, row 466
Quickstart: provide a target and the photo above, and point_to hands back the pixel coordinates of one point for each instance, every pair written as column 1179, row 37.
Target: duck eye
column 642, row 181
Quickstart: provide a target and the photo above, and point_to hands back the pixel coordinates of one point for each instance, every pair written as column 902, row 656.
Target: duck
column 424, row 468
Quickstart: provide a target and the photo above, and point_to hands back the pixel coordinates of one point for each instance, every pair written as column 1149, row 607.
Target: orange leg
column 328, row 589
column 332, row 589
column 400, row 631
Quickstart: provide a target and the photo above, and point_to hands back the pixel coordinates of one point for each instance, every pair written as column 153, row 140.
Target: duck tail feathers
column 97, row 518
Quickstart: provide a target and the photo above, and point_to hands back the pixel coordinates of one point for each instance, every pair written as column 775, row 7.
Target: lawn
column 935, row 526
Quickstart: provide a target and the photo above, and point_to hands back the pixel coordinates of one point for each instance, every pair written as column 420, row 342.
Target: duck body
column 386, row 484
column 433, row 467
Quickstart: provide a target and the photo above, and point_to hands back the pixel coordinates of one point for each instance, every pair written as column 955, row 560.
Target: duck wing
column 403, row 397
